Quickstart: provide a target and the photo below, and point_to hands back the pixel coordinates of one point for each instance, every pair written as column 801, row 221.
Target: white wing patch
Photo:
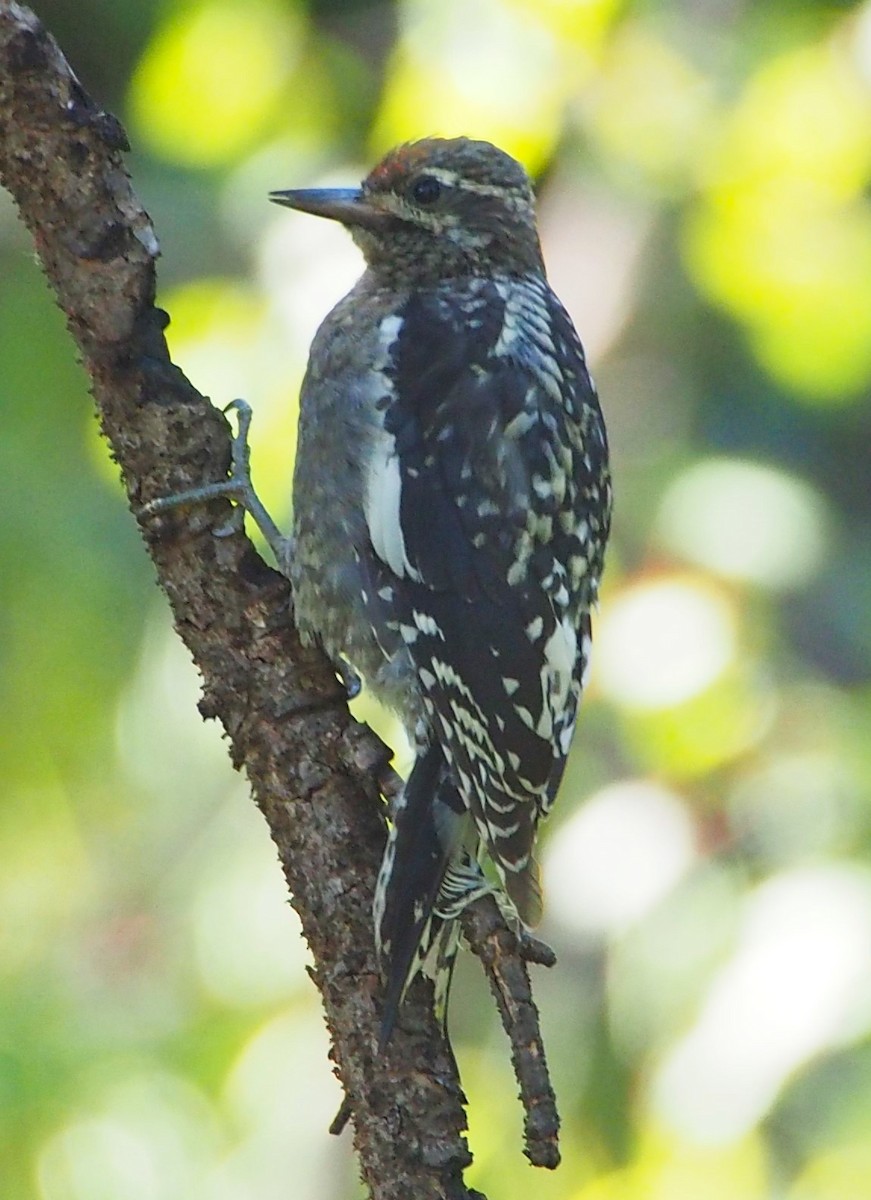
column 383, row 483
column 383, row 507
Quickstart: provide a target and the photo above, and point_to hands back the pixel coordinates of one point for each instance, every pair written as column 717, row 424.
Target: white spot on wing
column 534, row 629
column 427, row 624
column 383, row 507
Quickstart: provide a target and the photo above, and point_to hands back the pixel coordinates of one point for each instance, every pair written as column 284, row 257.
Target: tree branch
column 313, row 771
column 284, row 713
column 504, row 956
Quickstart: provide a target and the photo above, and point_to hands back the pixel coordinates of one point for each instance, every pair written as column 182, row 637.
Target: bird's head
column 436, row 209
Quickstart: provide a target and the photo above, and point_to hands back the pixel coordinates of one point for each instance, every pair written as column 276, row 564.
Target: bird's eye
column 425, row 190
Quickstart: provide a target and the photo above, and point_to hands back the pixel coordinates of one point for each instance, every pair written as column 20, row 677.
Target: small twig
column 534, row 950
column 504, row 956
column 342, row 1117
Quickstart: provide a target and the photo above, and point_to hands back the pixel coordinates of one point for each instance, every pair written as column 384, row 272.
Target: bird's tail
column 427, row 876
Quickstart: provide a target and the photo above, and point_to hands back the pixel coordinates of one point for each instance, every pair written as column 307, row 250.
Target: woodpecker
column 451, row 508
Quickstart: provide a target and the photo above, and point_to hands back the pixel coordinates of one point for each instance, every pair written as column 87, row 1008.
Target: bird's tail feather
column 425, row 870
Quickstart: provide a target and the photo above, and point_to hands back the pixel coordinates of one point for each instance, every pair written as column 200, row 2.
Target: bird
column 451, row 503
column 451, row 510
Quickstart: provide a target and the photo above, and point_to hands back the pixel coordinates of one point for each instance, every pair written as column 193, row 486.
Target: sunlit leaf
column 212, row 76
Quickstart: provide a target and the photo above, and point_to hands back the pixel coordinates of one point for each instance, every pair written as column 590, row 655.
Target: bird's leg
column 352, row 682
column 237, row 487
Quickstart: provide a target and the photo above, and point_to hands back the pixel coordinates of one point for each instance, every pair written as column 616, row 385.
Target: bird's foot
column 237, row 487
column 352, row 682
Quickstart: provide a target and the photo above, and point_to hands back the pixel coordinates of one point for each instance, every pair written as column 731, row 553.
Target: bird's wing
column 482, row 534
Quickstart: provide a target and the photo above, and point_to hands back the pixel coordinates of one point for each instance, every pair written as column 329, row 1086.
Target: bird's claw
column 236, row 487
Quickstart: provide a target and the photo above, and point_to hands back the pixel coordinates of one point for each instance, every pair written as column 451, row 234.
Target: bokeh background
column 704, row 171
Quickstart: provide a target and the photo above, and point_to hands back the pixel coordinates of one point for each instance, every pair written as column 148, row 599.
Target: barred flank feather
column 427, row 876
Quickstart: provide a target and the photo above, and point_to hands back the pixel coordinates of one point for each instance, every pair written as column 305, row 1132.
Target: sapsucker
column 451, row 504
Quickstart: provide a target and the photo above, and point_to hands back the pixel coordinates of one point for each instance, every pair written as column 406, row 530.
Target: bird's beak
column 348, row 205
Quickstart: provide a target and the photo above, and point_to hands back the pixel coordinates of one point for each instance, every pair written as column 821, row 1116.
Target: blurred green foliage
column 704, row 174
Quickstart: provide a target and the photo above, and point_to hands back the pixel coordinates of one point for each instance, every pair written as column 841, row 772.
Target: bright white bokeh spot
column 281, row 1097
column 485, row 67
column 150, row 1138
column 97, row 1158
column 262, row 1089
column 617, row 857
column 248, row 942
column 159, row 709
column 745, row 521
column 473, row 45
column 798, row 983
column 662, row 641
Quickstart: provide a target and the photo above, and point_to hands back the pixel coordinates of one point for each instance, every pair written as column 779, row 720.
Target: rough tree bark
column 312, row 769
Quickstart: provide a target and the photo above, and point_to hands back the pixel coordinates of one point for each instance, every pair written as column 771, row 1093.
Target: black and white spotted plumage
column 452, row 506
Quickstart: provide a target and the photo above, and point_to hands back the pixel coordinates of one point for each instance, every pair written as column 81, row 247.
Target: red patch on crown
column 399, row 163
